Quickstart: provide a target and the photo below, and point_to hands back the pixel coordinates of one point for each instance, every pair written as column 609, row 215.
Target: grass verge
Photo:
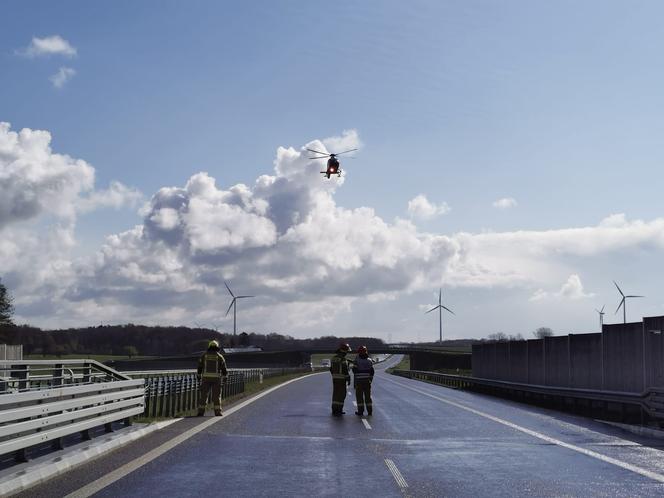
column 404, row 364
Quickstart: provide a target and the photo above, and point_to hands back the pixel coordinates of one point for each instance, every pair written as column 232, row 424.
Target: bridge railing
column 170, row 393
column 644, row 405
column 46, row 400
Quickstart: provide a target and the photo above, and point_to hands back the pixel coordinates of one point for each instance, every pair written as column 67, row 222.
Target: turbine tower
column 440, row 309
column 601, row 317
column 623, row 302
column 234, row 306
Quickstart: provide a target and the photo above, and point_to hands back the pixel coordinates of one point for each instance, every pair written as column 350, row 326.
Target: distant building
column 246, row 349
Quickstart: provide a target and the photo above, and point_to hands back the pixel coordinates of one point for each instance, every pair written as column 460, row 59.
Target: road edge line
column 126, row 469
column 593, row 454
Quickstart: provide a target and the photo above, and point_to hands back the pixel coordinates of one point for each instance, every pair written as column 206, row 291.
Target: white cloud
column 420, row 207
column 283, row 238
column 573, row 289
column 505, row 203
column 34, row 180
column 116, row 196
column 50, row 45
column 63, row 75
column 538, row 295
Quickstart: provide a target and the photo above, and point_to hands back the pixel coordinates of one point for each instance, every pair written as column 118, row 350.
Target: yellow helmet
column 213, row 345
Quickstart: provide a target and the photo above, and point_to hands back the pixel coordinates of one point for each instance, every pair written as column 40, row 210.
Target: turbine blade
column 440, row 296
column 602, row 310
column 635, row 296
column 230, row 306
column 432, row 309
column 229, row 289
column 446, row 308
column 619, row 290
column 240, row 297
column 621, row 303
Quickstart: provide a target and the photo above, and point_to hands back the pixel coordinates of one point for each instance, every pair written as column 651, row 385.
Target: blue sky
column 555, row 105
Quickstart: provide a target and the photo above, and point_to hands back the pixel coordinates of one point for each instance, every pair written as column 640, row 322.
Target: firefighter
column 363, row 374
column 340, row 378
column 212, row 373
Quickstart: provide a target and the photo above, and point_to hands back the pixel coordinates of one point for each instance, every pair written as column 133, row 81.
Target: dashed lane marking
column 120, row 472
column 401, row 482
column 593, row 454
column 366, row 424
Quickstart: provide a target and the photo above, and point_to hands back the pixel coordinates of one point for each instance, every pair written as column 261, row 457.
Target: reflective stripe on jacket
column 212, row 365
column 363, row 369
column 339, row 368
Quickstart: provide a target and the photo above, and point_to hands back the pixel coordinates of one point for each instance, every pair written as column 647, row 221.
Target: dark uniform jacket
column 363, row 369
column 212, row 365
column 339, row 368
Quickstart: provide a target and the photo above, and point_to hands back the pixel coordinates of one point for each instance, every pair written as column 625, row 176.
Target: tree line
column 141, row 340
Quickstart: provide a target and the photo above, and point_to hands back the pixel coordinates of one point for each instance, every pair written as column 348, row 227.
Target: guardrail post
column 21, row 373
column 58, row 374
column 22, row 455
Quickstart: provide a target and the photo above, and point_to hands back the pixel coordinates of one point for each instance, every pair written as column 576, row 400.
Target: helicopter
column 332, row 163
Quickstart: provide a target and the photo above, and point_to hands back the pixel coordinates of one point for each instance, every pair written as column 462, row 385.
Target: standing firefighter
column 212, row 371
column 363, row 373
column 340, row 378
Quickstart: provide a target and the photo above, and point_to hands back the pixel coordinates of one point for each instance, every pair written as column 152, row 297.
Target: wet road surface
column 422, row 440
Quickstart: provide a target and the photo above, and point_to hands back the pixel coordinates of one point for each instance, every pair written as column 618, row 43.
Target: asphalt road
column 422, row 440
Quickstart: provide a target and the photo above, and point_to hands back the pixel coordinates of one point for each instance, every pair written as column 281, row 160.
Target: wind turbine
column 623, row 302
column 440, row 309
column 601, row 317
column 234, row 306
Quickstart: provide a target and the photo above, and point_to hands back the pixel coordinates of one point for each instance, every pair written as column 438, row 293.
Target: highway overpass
column 422, row 440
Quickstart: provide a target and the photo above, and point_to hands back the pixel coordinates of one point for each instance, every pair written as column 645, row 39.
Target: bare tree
column 498, row 337
column 543, row 332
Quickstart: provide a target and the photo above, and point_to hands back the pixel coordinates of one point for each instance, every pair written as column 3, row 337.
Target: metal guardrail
column 650, row 402
column 170, row 393
column 46, row 400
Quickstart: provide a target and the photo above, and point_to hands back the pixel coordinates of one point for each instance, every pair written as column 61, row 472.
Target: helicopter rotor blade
column 349, row 150
column 318, row 152
column 323, row 157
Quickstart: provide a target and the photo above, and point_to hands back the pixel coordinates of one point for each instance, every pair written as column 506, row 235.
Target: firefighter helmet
column 344, row 346
column 213, row 345
column 362, row 350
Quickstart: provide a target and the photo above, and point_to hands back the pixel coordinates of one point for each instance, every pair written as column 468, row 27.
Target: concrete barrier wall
column 431, row 361
column 653, row 328
column 556, row 361
column 586, row 361
column 624, row 357
column 518, row 361
column 535, row 361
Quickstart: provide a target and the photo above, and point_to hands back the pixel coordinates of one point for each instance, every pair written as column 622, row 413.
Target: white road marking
column 395, row 473
column 96, row 486
column 366, row 424
column 593, row 454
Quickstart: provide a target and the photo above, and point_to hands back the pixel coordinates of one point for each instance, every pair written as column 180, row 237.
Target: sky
column 509, row 153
